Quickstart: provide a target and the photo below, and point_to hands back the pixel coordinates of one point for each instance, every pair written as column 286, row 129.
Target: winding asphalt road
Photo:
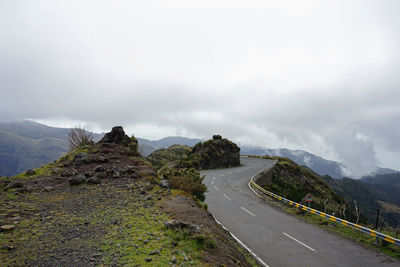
column 277, row 238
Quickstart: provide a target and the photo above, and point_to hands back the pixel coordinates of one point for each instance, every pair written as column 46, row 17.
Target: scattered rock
column 7, row 228
column 102, row 159
column 164, row 184
column 22, row 190
column 174, row 243
column 149, row 187
column 101, row 175
column 47, row 188
column 30, row 172
column 16, row 185
column 182, row 225
column 99, row 169
column 7, row 247
column 79, row 179
column 80, row 159
column 142, row 191
column 94, row 180
column 155, row 252
column 174, row 260
column 130, row 169
column 115, row 174
column 148, row 259
column 88, row 174
column 70, row 172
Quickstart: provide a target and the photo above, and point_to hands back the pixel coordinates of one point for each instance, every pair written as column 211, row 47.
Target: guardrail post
column 377, row 219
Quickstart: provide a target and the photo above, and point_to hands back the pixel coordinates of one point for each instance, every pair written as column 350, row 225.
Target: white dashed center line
column 216, row 188
column 227, row 197
column 301, row 243
column 249, row 212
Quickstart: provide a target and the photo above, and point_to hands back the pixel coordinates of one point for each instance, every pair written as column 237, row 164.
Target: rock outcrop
column 217, row 152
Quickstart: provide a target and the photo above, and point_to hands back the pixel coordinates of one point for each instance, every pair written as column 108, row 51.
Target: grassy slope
column 294, row 182
column 108, row 224
column 161, row 157
column 286, row 181
column 370, row 197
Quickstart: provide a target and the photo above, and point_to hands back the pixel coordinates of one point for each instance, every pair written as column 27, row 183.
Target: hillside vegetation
column 163, row 156
column 372, row 195
column 217, row 152
column 295, row 182
column 105, row 205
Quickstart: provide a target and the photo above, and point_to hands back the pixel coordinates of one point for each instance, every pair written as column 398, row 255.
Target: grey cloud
column 317, row 76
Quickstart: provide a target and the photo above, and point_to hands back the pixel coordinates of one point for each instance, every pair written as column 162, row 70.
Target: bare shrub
column 79, row 137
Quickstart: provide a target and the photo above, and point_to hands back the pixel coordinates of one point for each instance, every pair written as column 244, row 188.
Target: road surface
column 277, row 238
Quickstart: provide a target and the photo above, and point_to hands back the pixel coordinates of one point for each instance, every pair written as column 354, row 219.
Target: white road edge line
column 310, row 248
column 214, row 178
column 227, row 197
column 216, row 188
column 249, row 184
column 249, row 212
column 253, row 189
column 243, row 245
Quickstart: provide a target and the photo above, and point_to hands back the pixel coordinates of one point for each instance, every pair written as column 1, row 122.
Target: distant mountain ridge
column 316, row 163
column 28, row 144
column 148, row 146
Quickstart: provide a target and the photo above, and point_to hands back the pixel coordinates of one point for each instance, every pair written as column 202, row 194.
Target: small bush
column 188, row 180
column 205, row 242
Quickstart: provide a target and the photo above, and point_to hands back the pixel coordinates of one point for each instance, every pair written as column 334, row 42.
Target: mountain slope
column 163, row 156
column 28, row 145
column 371, row 196
column 148, row 146
column 318, row 164
column 104, row 205
column 18, row 153
column 294, row 182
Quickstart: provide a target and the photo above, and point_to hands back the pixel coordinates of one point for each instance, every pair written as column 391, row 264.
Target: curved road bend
column 279, row 239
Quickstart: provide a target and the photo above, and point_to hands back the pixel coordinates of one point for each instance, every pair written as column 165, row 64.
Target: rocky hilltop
column 295, row 182
column 217, row 152
column 105, row 205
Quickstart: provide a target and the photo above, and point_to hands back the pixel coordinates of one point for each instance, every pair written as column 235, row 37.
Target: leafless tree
column 357, row 211
column 78, row 137
column 343, row 209
column 326, row 201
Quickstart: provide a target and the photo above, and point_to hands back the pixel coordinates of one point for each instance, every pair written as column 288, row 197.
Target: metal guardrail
column 358, row 227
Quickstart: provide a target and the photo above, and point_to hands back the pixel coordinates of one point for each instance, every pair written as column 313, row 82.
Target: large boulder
column 217, row 152
column 117, row 136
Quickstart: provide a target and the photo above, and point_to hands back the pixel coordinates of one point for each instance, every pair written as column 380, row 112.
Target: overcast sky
column 323, row 76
